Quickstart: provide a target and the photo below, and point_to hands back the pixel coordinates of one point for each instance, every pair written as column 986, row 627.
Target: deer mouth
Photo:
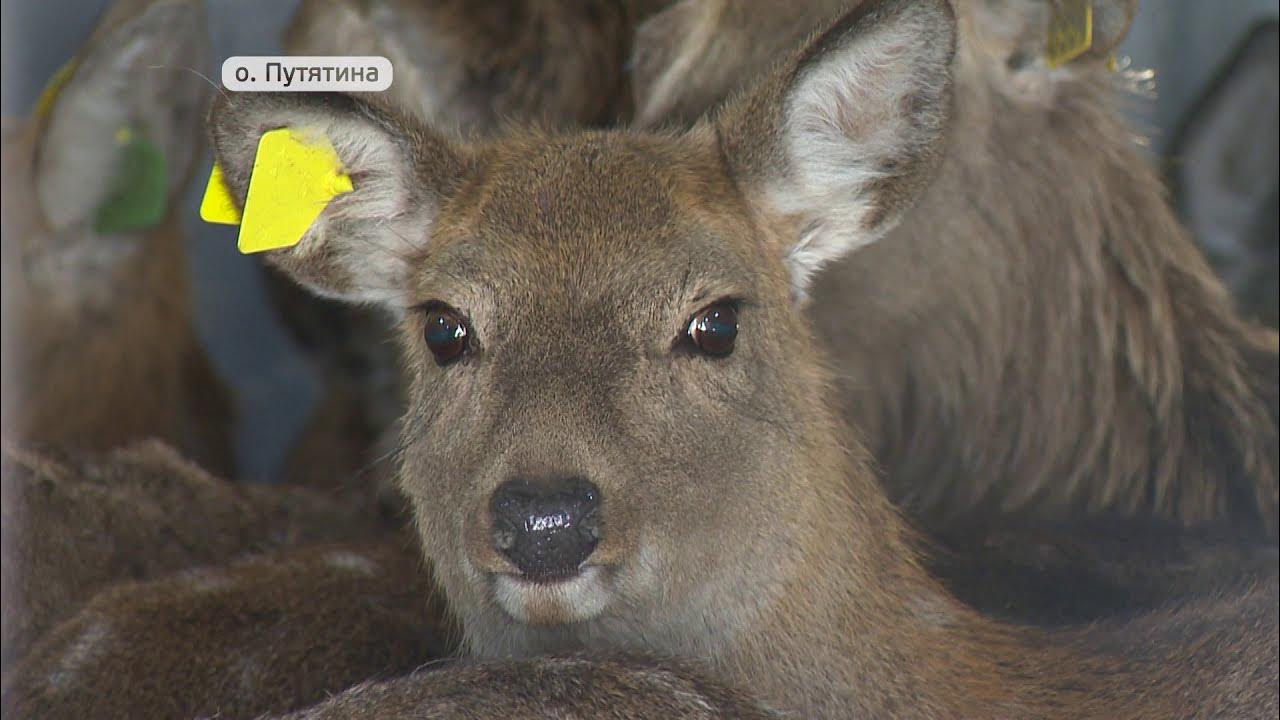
column 554, row 576
column 554, row 600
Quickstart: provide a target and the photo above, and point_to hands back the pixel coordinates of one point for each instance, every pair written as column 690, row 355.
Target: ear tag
column 51, row 89
column 295, row 175
column 217, row 206
column 1070, row 32
column 140, row 190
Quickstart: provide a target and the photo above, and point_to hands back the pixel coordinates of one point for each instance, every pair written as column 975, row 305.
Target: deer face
column 617, row 420
column 620, row 383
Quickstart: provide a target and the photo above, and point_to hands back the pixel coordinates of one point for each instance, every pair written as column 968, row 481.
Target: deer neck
column 861, row 630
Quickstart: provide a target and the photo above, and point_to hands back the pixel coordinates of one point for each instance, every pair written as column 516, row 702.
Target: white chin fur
column 575, row 600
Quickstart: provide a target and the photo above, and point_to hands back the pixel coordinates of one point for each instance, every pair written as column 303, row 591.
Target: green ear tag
column 140, row 190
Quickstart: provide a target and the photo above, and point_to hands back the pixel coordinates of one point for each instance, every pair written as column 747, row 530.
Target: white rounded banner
column 306, row 73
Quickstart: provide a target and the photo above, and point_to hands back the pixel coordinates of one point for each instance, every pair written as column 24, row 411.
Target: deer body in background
column 619, row 436
column 75, row 526
column 469, row 66
column 100, row 347
column 268, row 633
column 1039, row 338
column 107, row 387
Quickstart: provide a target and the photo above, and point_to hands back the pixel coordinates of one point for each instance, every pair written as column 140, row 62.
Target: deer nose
column 547, row 529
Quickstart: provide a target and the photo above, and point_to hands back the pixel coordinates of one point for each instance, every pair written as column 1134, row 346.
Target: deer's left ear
column 363, row 245
column 845, row 136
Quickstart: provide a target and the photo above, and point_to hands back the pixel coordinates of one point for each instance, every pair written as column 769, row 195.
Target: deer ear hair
column 846, row 135
column 124, row 114
column 362, row 246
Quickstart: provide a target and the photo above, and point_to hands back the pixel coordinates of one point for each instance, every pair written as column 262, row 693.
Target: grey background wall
column 1184, row 41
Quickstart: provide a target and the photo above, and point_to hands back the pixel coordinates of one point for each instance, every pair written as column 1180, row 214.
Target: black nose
column 546, row 528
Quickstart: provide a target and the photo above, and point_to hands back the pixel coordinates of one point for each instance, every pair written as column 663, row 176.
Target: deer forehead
column 587, row 219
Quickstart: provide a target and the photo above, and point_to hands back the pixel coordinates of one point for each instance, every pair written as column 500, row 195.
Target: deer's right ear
column 363, row 245
column 842, row 139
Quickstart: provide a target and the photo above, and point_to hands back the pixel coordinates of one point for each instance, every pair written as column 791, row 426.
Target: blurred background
column 1210, row 119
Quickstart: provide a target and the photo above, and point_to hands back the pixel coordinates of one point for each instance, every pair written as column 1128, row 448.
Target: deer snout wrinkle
column 546, row 528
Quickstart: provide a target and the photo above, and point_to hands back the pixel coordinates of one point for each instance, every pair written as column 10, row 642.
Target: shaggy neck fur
column 1055, row 342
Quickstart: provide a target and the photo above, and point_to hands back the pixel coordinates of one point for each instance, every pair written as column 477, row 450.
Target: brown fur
column 742, row 526
column 468, row 65
column 75, row 526
column 100, row 349
column 615, row 688
column 264, row 635
column 1065, row 574
column 1039, row 337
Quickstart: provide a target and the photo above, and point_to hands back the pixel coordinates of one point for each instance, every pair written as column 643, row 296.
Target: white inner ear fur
column 373, row 233
column 78, row 155
column 137, row 78
column 845, row 118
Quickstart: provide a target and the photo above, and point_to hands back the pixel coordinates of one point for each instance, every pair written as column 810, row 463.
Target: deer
column 268, row 633
column 77, row 524
column 1152, row 400
column 101, row 349
column 419, row 687
column 1040, row 339
column 620, row 434
column 689, row 57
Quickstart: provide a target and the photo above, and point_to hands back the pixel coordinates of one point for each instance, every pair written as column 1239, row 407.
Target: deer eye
column 446, row 334
column 714, row 328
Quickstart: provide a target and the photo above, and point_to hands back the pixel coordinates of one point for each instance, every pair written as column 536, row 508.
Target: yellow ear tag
column 51, row 89
column 295, row 175
column 1070, row 32
column 217, row 206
